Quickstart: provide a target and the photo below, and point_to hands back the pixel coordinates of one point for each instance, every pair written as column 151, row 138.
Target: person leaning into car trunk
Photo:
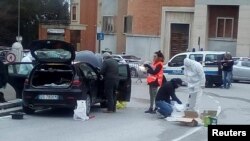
column 155, row 78
column 110, row 74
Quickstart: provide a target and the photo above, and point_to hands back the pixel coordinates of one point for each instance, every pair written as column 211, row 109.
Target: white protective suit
column 26, row 68
column 196, row 82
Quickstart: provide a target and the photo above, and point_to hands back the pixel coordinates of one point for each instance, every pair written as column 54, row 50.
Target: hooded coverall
column 196, row 81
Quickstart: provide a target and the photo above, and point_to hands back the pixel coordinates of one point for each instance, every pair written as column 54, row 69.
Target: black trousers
column 110, row 87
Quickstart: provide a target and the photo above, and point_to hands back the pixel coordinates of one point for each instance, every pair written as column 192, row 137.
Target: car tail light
column 76, row 82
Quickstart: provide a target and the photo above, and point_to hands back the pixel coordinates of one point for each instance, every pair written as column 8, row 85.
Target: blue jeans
column 227, row 77
column 164, row 108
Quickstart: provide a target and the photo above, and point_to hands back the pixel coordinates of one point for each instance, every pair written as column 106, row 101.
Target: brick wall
column 222, row 11
column 42, row 32
column 179, row 3
column 88, row 17
column 146, row 16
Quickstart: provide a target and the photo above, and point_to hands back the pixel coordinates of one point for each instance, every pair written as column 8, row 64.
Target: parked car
column 241, row 70
column 136, row 67
column 57, row 81
column 240, row 58
column 124, row 58
column 210, row 61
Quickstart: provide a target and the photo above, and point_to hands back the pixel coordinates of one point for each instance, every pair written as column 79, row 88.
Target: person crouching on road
column 196, row 82
column 110, row 74
column 154, row 78
column 165, row 95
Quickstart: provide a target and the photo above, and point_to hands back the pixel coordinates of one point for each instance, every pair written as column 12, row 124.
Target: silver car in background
column 241, row 70
column 135, row 63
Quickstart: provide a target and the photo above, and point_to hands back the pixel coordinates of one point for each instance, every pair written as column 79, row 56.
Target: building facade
column 81, row 31
column 216, row 25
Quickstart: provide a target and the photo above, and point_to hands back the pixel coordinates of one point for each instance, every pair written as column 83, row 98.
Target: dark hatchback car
column 56, row 80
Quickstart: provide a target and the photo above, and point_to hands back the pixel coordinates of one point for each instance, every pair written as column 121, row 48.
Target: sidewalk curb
column 11, row 106
column 10, row 110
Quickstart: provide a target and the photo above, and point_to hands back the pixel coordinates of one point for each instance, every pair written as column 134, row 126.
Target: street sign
column 100, row 36
column 11, row 57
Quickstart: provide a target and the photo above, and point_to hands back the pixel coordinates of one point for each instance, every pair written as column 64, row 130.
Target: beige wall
column 243, row 41
column 200, row 28
column 182, row 15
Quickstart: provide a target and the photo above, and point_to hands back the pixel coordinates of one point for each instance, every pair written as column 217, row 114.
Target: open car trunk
column 52, row 76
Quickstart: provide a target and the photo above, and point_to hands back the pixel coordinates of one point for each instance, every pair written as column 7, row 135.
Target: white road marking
column 190, row 132
column 4, row 117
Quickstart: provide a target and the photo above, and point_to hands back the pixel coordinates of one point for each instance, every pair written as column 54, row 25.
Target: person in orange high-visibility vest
column 155, row 78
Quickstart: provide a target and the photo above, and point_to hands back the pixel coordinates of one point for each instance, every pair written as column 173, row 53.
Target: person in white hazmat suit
column 26, row 68
column 196, row 79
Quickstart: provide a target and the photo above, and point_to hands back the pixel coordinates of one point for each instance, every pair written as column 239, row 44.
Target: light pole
column 18, row 38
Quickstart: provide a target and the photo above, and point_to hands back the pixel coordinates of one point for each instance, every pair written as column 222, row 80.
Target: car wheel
column 236, row 81
column 28, row 110
column 88, row 104
column 133, row 72
column 104, row 104
column 218, row 84
column 209, row 83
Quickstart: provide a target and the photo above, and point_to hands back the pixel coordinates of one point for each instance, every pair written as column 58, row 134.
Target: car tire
column 209, row 82
column 28, row 110
column 104, row 104
column 88, row 104
column 218, row 84
column 133, row 72
column 235, row 81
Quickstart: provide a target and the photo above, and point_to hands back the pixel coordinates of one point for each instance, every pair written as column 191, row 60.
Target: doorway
column 179, row 38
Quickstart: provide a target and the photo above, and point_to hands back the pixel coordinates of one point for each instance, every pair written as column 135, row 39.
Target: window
column 128, row 24
column 123, row 71
column 246, row 64
column 88, row 72
column 108, row 25
column 177, row 61
column 211, row 60
column 74, row 13
column 224, row 27
column 196, row 57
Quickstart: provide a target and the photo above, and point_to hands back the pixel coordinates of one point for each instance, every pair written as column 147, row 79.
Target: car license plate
column 48, row 97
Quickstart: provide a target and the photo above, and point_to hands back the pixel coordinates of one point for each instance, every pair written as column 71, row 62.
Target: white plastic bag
column 80, row 111
column 179, row 107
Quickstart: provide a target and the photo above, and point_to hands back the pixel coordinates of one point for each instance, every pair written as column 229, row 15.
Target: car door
column 91, row 78
column 243, row 71
column 174, row 68
column 16, row 77
column 124, row 87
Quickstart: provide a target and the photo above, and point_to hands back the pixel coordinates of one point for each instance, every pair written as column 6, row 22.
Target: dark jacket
column 3, row 75
column 109, row 69
column 227, row 65
column 167, row 93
